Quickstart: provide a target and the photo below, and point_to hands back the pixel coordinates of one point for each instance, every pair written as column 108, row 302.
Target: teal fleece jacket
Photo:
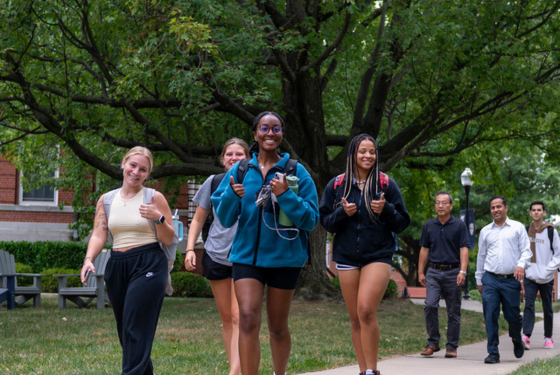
column 255, row 243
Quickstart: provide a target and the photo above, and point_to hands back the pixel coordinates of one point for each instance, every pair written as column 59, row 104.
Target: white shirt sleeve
column 524, row 249
column 481, row 258
column 554, row 263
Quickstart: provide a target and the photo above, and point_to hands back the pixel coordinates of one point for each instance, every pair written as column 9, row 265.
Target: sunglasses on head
column 276, row 129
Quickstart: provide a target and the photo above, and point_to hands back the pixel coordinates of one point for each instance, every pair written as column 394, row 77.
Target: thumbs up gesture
column 349, row 208
column 238, row 189
column 150, row 211
column 377, row 205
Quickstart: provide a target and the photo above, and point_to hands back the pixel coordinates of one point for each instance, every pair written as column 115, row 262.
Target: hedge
column 42, row 255
column 49, row 283
column 186, row 284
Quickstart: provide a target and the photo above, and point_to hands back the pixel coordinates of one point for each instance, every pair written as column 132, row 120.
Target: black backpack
column 550, row 236
column 291, row 167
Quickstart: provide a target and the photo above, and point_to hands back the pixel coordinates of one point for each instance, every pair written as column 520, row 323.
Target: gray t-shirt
column 219, row 239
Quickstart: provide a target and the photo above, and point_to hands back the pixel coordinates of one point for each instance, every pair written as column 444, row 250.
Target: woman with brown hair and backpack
column 216, row 266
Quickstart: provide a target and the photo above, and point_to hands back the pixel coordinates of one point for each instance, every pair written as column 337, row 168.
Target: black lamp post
column 467, row 183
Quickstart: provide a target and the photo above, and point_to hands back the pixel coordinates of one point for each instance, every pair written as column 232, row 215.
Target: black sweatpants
column 136, row 281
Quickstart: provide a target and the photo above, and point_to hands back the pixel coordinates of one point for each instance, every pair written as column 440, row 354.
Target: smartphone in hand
column 86, row 276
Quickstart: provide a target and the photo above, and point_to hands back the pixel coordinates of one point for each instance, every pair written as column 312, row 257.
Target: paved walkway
column 470, row 360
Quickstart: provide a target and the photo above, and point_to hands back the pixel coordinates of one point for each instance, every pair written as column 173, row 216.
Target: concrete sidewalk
column 470, row 359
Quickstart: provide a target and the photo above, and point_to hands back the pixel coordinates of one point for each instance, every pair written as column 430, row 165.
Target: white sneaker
column 526, row 342
column 548, row 343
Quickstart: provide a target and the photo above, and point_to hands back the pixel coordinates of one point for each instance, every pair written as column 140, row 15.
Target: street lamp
column 467, row 183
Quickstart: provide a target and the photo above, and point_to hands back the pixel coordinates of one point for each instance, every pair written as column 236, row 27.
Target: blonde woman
column 136, row 274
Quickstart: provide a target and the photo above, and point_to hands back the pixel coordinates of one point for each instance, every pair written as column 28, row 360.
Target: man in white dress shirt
column 503, row 254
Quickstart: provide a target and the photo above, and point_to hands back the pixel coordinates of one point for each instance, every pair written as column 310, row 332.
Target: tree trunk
column 314, row 283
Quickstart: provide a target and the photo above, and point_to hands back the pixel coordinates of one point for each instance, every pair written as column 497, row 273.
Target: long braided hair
column 371, row 186
column 255, row 146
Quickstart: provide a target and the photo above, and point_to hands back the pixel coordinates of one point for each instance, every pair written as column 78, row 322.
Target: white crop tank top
column 126, row 225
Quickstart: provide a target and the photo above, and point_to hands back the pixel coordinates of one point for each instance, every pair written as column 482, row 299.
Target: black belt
column 501, row 275
column 444, row 267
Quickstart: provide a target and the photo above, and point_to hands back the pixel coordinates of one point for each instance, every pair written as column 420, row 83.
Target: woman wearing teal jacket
column 265, row 253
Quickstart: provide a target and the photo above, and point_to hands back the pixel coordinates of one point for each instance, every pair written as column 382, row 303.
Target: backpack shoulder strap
column 383, row 181
column 339, row 180
column 216, row 180
column 107, row 200
column 242, row 170
column 148, row 194
column 551, row 237
column 291, row 167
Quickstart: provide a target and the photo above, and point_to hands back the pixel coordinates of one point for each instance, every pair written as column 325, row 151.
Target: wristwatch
column 161, row 220
column 464, row 272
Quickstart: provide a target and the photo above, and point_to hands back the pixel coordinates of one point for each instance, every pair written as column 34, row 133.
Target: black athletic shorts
column 280, row 278
column 214, row 270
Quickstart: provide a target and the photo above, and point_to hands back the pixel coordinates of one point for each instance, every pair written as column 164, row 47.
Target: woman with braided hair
column 363, row 208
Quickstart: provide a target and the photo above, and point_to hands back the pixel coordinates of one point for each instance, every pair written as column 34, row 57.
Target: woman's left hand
column 150, row 211
column 377, row 206
column 279, row 187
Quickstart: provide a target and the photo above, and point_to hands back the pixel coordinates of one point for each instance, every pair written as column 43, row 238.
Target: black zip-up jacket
column 359, row 241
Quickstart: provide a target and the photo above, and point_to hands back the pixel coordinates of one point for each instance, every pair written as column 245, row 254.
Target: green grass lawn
column 540, row 367
column 74, row 341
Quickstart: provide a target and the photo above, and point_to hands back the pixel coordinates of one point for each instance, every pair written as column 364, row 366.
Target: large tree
column 428, row 79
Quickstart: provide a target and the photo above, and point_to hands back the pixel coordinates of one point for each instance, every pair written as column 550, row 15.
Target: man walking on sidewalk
column 503, row 255
column 545, row 247
column 444, row 245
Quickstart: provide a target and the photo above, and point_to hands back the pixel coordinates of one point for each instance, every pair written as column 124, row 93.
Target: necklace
column 360, row 182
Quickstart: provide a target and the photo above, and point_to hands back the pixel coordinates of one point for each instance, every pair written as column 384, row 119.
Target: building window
column 43, row 195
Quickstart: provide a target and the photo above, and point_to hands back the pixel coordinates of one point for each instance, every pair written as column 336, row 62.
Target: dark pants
column 531, row 289
column 438, row 284
column 507, row 292
column 136, row 281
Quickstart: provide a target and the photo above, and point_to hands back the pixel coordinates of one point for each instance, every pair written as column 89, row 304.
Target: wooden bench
column 416, row 292
column 94, row 289
column 8, row 276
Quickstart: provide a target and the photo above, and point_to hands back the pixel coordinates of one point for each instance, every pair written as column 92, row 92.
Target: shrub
column 26, row 280
column 186, row 284
column 392, row 290
column 49, row 283
column 178, row 262
column 42, row 255
column 475, row 295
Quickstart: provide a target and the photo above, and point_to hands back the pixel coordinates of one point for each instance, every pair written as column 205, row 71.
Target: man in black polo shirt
column 444, row 245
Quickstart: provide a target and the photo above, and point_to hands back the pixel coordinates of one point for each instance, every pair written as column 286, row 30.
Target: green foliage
column 41, row 255
column 178, row 262
column 336, row 282
column 186, row 284
column 25, row 280
column 392, row 290
column 49, row 283
column 441, row 85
